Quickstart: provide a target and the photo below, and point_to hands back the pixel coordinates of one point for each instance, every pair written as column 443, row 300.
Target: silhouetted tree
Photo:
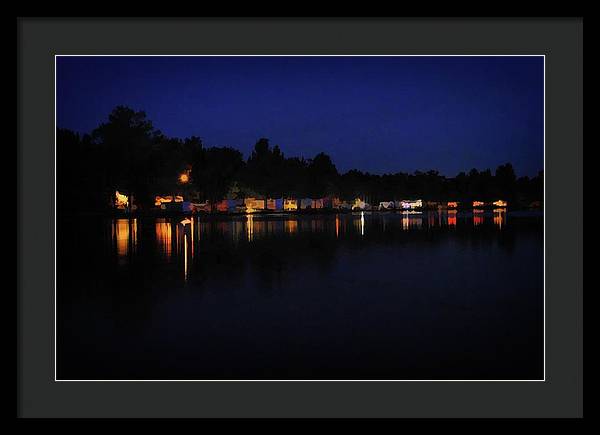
column 323, row 176
column 128, row 154
column 506, row 181
column 127, row 141
column 214, row 171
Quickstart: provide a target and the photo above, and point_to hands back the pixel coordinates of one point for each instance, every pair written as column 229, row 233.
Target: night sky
column 376, row 114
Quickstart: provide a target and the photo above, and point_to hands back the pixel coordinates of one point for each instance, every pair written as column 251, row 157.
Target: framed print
column 370, row 224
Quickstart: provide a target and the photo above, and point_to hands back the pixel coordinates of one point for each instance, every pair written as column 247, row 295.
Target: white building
column 411, row 204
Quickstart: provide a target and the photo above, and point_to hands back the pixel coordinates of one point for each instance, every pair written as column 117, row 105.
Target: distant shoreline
column 309, row 212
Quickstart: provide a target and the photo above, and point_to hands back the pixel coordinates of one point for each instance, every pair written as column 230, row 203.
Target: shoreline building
column 305, row 203
column 121, row 201
column 170, row 202
column 254, row 204
column 290, row 204
column 359, row 204
column 411, row 204
column 317, row 203
column 275, row 204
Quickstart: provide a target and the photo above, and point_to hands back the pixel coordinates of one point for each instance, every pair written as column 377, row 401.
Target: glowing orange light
column 452, row 218
column 121, row 234
column 158, row 200
column 185, row 258
column 477, row 203
column 291, row 226
column 184, row 178
column 452, row 204
column 121, row 201
column 163, row 237
column 499, row 217
column 253, row 205
column 250, row 227
column 290, row 204
column 500, row 203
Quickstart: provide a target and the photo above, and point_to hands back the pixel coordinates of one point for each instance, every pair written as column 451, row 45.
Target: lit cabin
column 478, row 203
column 254, row 204
column 500, row 203
column 275, row 204
column 161, row 201
column 121, row 201
column 359, row 204
column 290, row 204
column 317, row 203
column 305, row 203
column 452, row 204
column 411, row 204
column 223, row 206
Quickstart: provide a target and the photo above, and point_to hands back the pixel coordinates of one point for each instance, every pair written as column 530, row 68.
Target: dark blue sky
column 377, row 114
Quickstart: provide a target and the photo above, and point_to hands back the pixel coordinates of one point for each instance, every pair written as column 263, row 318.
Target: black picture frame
column 560, row 40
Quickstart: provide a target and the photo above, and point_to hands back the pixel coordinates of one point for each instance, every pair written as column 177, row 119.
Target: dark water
column 350, row 296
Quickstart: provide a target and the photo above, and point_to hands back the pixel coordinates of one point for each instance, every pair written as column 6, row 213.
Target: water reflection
column 163, row 230
column 124, row 234
column 187, row 231
column 194, row 309
column 412, row 220
column 250, row 227
column 433, row 219
column 291, row 226
column 452, row 218
column 500, row 217
column 181, row 239
column 362, row 223
column 192, row 236
column 237, row 230
column 121, row 235
column 185, row 257
column 477, row 217
column 359, row 224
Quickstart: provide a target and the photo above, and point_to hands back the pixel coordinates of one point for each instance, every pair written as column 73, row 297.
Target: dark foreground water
column 350, row 296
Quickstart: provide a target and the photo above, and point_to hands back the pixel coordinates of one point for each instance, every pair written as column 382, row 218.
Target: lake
column 388, row 296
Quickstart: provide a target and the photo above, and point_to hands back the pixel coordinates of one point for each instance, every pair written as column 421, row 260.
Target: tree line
column 127, row 153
